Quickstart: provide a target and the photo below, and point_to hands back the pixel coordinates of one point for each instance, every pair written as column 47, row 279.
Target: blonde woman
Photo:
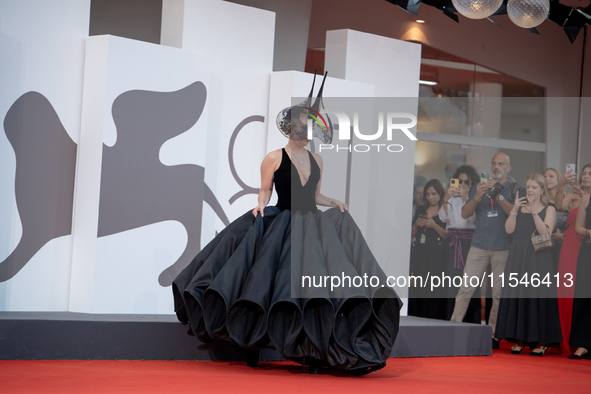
column 569, row 201
column 553, row 177
column 528, row 310
column 553, row 180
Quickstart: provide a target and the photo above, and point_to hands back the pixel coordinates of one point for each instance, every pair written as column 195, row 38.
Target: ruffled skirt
column 305, row 284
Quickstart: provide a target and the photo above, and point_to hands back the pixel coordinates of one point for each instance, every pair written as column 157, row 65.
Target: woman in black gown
column 528, row 309
column 428, row 256
column 580, row 332
column 257, row 284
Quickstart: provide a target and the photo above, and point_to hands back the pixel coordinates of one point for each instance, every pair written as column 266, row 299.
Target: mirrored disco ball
column 528, row 13
column 477, row 9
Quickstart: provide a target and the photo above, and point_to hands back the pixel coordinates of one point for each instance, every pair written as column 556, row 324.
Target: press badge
column 492, row 214
column 423, row 238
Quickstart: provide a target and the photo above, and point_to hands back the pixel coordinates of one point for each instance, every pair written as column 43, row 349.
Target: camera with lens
column 496, row 190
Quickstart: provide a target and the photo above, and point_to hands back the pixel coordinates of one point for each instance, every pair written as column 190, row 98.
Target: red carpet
column 502, row 372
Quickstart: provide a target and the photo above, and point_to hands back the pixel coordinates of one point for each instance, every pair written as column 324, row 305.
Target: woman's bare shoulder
column 274, row 155
column 317, row 157
column 277, row 153
column 273, row 159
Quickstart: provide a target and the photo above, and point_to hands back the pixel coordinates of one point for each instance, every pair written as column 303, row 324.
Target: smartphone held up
column 571, row 173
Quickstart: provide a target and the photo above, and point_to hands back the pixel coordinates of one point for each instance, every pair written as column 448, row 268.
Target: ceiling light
column 477, row 9
column 528, row 13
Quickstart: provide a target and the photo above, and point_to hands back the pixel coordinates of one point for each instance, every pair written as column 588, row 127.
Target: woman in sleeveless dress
column 580, row 333
column 528, row 310
column 261, row 282
column 427, row 256
column 567, row 267
column 553, row 178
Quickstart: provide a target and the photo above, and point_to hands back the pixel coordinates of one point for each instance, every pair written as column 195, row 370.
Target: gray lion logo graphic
column 136, row 188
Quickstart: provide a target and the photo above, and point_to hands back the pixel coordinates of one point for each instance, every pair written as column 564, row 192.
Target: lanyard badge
column 493, row 213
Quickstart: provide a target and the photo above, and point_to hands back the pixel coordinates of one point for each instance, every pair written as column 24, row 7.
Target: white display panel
column 392, row 66
column 42, row 50
column 157, row 147
column 240, row 41
column 143, row 151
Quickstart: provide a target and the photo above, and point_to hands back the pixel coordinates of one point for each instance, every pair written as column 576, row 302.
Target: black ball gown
column 260, row 283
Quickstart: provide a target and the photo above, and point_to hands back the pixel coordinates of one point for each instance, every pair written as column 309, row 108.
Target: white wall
column 119, row 273
column 380, row 181
column 292, row 22
column 239, row 41
column 229, row 49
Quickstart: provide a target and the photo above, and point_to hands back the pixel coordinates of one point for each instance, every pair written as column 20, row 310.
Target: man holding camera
column 492, row 201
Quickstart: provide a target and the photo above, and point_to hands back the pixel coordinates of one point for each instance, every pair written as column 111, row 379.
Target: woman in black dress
column 260, row 282
column 580, row 332
column 528, row 309
column 428, row 256
column 553, row 180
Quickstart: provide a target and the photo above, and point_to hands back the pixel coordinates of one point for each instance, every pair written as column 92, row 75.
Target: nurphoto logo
column 390, row 122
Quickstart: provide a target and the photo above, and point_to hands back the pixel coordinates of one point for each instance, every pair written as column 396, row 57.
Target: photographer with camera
column 492, row 201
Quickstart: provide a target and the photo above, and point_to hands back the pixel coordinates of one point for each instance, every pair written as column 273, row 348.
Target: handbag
column 542, row 242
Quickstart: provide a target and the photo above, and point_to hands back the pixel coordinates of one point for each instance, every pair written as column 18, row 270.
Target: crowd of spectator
column 530, row 240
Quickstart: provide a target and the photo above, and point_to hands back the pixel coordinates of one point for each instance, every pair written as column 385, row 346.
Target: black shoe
column 540, row 353
column 586, row 356
column 365, row 371
column 314, row 367
column 574, row 357
column 517, row 349
column 496, row 344
column 252, row 357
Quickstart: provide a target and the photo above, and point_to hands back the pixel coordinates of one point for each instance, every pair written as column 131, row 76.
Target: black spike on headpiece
column 294, row 121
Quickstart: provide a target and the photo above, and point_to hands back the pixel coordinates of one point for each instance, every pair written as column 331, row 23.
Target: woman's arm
column 512, row 218
column 562, row 199
column 511, row 221
column 446, row 198
column 417, row 221
column 444, row 212
column 268, row 167
column 560, row 195
column 566, row 202
column 557, row 235
column 415, row 229
column 321, row 199
column 582, row 217
column 450, row 192
column 549, row 222
column 431, row 223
